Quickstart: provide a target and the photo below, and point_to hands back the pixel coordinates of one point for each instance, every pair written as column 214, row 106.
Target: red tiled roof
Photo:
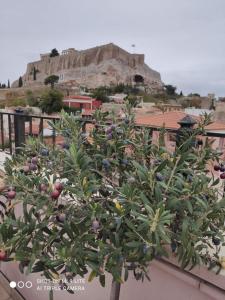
column 170, row 120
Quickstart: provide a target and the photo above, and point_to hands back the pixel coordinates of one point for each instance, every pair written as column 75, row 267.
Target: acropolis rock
column 98, row 66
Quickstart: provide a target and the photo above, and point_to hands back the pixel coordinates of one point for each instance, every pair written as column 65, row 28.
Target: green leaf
column 161, row 166
column 92, row 275
column 189, row 206
column 158, row 193
column 133, row 244
column 215, row 182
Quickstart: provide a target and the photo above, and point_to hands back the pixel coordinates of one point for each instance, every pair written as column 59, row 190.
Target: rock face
column 103, row 65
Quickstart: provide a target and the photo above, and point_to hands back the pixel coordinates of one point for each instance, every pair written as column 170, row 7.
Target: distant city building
column 197, row 111
column 170, row 120
column 82, row 102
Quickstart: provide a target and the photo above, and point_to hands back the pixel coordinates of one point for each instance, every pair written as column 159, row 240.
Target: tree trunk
column 115, row 290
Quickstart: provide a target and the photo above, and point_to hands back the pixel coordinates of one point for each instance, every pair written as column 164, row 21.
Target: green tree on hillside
column 32, row 100
column 52, row 79
column 170, row 89
column 101, row 93
column 51, row 101
column 54, row 53
column 34, row 73
column 20, row 83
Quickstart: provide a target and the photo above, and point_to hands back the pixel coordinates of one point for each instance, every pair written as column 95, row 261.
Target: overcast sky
column 182, row 39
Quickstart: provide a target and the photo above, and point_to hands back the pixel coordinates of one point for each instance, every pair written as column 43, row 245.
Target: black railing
column 16, row 127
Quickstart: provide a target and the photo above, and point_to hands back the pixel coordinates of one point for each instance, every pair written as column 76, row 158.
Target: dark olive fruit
column 33, row 154
column 33, row 167
column 126, row 121
column 124, row 162
column 11, row 194
column 205, row 197
column 44, row 152
column 222, row 176
column 104, row 192
column 95, row 225
column 222, row 168
column 61, row 206
column 65, row 146
column 173, row 246
column 55, row 194
column 216, row 241
column 157, row 162
column 3, row 255
column 34, row 160
column 61, row 217
column 105, row 163
column 190, row 178
column 217, row 168
column 159, row 177
column 58, row 186
column 109, row 136
column 25, row 263
column 108, row 130
column 200, row 142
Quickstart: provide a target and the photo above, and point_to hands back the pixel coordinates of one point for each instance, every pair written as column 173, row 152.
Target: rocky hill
column 102, row 65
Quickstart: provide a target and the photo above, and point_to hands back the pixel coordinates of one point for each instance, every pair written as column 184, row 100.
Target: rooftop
column 171, row 119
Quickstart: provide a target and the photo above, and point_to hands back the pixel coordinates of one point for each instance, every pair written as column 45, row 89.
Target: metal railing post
column 19, row 129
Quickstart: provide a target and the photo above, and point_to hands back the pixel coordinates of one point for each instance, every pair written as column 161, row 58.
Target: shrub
column 51, row 101
column 18, row 102
column 111, row 203
column 32, row 100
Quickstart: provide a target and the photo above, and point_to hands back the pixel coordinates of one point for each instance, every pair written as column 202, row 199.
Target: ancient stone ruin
column 98, row 66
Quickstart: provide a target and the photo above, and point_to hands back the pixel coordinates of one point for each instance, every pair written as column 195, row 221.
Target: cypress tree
column 8, row 84
column 34, row 74
column 20, row 82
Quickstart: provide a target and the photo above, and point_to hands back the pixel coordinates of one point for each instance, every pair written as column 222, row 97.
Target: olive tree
column 110, row 201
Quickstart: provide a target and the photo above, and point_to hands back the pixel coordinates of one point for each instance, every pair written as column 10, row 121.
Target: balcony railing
column 15, row 128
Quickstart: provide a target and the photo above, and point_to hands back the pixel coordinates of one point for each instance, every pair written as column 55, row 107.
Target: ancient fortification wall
column 103, row 65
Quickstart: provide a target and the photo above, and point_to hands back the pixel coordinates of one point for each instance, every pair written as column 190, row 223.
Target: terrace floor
column 7, row 293
column 4, row 294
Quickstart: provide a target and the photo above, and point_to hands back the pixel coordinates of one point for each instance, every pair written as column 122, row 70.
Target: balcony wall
column 167, row 282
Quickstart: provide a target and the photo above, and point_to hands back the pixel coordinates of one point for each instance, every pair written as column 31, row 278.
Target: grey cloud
column 183, row 39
